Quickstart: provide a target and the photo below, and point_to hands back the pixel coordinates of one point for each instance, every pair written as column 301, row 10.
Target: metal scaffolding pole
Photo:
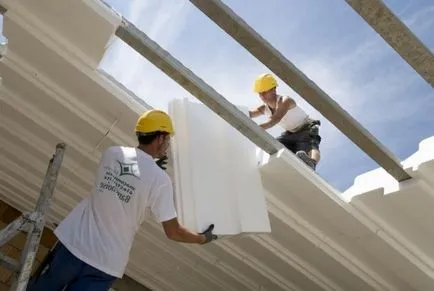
column 263, row 51
column 397, row 35
column 33, row 223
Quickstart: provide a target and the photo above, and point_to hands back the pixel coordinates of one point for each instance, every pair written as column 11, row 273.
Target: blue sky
column 326, row 39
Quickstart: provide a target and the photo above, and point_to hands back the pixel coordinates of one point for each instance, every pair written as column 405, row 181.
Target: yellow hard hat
column 154, row 120
column 264, row 82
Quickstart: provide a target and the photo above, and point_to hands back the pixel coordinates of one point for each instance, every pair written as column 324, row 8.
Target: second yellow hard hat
column 264, row 82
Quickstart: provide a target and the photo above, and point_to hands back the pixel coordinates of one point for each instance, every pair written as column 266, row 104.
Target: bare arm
column 257, row 111
column 282, row 108
column 162, row 206
column 177, row 232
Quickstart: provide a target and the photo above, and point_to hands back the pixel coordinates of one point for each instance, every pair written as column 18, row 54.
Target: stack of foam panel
column 216, row 176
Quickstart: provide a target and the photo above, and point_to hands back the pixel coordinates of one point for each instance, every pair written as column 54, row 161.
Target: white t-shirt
column 293, row 119
column 100, row 230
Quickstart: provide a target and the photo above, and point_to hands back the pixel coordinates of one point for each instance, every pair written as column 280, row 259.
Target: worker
column 301, row 133
column 95, row 239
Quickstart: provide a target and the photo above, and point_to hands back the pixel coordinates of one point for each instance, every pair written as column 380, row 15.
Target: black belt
column 309, row 123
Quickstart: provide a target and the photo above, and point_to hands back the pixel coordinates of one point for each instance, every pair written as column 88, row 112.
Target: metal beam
column 149, row 49
column 397, row 35
column 232, row 24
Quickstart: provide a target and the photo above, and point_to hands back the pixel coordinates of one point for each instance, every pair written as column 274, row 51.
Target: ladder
column 33, row 223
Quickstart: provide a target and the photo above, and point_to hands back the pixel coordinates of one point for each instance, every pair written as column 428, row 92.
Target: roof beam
column 264, row 52
column 233, row 25
column 149, row 49
column 397, row 35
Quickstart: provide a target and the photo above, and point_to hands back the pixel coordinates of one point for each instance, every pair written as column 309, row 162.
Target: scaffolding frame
column 33, row 223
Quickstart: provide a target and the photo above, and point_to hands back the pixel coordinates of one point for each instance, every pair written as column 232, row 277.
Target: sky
column 325, row 39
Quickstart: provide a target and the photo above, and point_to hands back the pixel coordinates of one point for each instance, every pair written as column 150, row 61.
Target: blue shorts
column 66, row 270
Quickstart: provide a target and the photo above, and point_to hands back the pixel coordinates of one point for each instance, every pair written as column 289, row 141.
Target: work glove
column 209, row 236
column 161, row 162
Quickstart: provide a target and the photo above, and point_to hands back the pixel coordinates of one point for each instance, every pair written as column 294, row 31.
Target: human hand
column 162, row 162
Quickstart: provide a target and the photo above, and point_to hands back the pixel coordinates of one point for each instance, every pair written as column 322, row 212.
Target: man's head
column 265, row 85
column 154, row 129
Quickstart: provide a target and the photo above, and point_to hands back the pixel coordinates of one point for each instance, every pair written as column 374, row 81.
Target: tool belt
column 308, row 124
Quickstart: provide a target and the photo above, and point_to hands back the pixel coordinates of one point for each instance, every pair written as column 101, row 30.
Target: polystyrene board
column 216, row 175
column 86, row 37
column 380, row 179
column 423, row 155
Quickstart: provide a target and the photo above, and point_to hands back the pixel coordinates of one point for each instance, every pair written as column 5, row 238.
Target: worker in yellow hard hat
column 95, row 238
column 301, row 133
column 155, row 125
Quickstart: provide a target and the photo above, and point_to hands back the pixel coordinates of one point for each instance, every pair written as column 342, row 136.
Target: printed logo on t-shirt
column 112, row 181
column 129, row 169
